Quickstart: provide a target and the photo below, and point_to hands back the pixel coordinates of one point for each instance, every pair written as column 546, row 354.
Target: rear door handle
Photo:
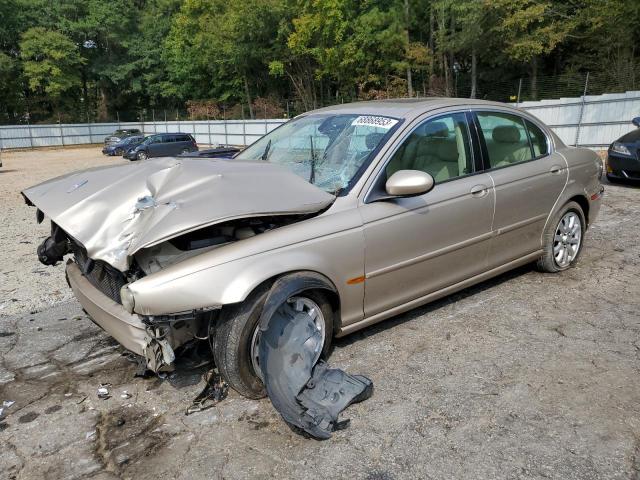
column 479, row 190
column 555, row 169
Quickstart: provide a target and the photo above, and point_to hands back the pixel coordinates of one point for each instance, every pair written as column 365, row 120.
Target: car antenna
column 266, row 151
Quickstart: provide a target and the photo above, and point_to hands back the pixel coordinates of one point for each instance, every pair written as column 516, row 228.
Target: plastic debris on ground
column 103, row 391
column 215, row 390
column 308, row 395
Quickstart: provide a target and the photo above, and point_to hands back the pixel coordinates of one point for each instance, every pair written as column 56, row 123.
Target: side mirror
column 636, row 122
column 407, row 183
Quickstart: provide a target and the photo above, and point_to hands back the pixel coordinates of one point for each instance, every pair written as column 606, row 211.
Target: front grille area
column 100, row 274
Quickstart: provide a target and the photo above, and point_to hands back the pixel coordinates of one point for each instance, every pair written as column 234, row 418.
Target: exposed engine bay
column 166, row 333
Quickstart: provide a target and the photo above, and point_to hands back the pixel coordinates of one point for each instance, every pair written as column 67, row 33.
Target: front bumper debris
column 156, row 342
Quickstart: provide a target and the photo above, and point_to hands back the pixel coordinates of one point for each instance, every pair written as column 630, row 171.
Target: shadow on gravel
column 7, row 171
column 431, row 307
column 633, row 184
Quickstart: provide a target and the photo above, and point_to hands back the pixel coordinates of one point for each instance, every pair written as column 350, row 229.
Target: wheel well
column 331, row 293
column 584, row 204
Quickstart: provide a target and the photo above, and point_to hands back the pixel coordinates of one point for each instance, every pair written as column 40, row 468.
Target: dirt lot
column 526, row 376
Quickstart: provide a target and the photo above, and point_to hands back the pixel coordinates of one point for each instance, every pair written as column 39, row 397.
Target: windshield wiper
column 312, row 177
column 266, row 151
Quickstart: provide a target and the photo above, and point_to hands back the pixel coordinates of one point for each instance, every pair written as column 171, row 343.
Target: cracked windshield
column 325, row 150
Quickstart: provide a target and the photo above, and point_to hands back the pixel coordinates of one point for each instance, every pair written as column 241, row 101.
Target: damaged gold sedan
column 359, row 212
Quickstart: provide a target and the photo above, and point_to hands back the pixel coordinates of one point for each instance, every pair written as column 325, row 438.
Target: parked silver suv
column 360, row 211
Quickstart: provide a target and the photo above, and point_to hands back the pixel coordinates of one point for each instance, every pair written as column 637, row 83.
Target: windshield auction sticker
column 375, row 121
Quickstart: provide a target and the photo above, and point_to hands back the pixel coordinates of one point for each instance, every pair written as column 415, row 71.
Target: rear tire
column 142, row 156
column 185, row 150
column 563, row 239
column 233, row 335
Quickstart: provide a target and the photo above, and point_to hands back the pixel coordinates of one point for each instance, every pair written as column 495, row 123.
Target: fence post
column 244, row 129
column 209, row 127
column 153, row 116
column 266, row 130
column 519, row 90
column 61, row 134
column 584, row 95
column 29, row 127
column 118, row 118
column 224, row 118
column 89, row 125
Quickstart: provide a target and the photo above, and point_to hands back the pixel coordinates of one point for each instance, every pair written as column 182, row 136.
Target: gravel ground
column 528, row 375
column 26, row 284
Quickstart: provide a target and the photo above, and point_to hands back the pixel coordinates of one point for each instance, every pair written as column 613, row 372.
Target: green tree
column 51, row 62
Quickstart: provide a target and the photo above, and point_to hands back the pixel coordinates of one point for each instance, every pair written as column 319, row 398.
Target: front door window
column 440, row 147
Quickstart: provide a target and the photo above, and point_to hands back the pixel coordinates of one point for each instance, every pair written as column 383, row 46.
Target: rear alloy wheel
column 563, row 239
column 236, row 340
column 142, row 156
column 118, row 151
column 185, row 150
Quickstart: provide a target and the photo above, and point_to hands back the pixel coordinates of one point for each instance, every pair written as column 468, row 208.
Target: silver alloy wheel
column 299, row 304
column 567, row 239
column 142, row 156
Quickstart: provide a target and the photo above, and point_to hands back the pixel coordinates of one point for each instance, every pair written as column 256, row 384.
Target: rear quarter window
column 538, row 139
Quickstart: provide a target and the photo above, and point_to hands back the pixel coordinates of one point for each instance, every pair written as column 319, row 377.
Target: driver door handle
column 479, row 191
column 555, row 169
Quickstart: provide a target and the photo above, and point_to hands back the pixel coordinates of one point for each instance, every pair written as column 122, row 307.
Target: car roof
column 406, row 108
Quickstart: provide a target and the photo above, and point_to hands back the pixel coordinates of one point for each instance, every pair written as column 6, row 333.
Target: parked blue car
column 124, row 145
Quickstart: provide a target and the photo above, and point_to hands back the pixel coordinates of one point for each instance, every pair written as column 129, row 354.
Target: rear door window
column 505, row 137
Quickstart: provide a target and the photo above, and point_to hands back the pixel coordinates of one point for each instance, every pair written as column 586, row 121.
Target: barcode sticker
column 375, row 121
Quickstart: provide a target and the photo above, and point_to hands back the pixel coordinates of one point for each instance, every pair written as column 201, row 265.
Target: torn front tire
column 308, row 395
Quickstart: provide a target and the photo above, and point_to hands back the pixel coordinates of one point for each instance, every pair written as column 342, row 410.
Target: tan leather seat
column 507, row 146
column 430, row 149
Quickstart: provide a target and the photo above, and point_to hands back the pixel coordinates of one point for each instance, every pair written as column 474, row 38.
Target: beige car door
column 527, row 178
column 417, row 245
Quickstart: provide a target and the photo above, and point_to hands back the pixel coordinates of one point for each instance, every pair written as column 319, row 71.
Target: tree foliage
column 93, row 58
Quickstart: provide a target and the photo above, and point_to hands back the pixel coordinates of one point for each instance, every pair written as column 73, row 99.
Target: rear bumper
column 126, row 328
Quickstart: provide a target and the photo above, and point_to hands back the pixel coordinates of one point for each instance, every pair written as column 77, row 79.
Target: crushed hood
column 115, row 211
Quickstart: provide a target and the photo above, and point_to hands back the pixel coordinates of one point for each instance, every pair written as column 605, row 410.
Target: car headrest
column 436, row 130
column 506, row 134
column 373, row 139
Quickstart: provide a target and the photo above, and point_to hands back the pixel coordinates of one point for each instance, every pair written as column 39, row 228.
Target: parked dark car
column 119, row 134
column 121, row 147
column 162, row 145
column 223, row 151
column 623, row 157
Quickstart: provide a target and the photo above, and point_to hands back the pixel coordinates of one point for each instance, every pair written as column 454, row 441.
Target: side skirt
column 346, row 330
